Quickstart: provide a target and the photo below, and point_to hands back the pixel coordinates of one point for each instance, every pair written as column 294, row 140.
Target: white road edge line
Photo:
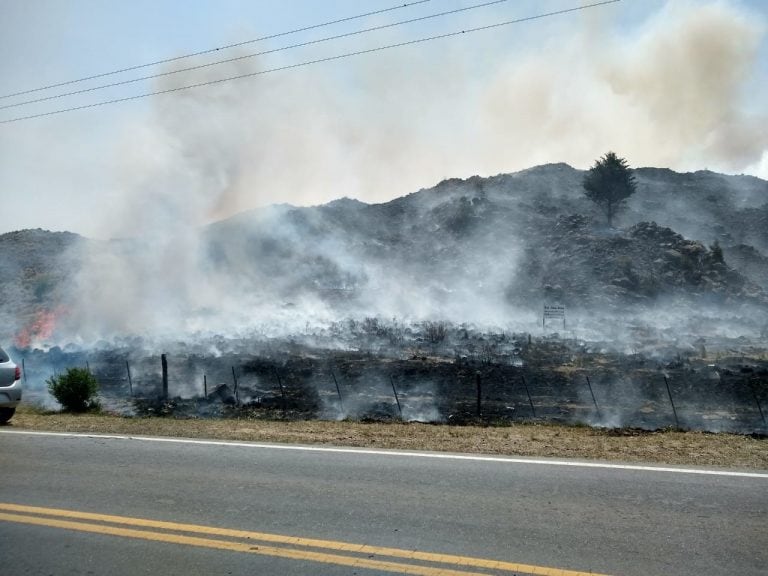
column 365, row 451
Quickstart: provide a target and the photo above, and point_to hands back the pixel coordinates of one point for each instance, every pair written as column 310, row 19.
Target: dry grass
column 668, row 447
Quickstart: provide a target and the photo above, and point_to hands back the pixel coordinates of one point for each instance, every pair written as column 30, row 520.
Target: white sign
column 555, row 311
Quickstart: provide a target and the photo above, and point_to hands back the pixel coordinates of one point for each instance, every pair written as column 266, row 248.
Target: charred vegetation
column 331, row 311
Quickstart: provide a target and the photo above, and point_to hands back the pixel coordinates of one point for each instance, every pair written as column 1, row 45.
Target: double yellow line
column 291, row 547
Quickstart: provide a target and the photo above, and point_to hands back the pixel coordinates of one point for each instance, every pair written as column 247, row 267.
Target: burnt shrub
column 435, row 332
column 716, row 253
column 75, row 390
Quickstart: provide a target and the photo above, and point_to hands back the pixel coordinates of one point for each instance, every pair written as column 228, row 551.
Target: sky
column 679, row 84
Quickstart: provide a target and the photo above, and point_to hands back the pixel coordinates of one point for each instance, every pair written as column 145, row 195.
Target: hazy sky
column 681, row 84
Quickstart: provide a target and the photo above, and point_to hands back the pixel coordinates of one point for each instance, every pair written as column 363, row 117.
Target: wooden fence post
column 338, row 391
column 164, row 362
column 479, row 396
column 282, row 390
column 669, row 393
column 593, row 397
column 399, row 409
column 528, row 392
column 130, row 380
column 757, row 401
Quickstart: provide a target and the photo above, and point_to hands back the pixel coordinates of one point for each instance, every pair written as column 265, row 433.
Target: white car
column 10, row 387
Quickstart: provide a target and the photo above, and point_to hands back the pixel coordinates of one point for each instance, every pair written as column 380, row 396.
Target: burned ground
column 468, row 377
column 330, row 311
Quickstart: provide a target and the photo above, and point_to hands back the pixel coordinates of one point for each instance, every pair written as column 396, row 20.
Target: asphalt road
column 297, row 511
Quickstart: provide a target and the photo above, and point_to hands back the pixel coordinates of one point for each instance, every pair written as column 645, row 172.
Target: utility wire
column 253, row 55
column 210, row 50
column 311, row 62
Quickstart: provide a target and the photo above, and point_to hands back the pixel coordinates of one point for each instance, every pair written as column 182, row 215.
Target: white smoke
column 669, row 93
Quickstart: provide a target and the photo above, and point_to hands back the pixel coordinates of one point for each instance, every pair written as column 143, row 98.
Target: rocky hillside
column 532, row 235
column 583, row 265
column 703, row 205
column 460, row 250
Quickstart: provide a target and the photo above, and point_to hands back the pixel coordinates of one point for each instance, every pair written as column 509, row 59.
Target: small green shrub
column 75, row 390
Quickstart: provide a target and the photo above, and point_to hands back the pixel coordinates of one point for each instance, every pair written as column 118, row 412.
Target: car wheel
column 5, row 414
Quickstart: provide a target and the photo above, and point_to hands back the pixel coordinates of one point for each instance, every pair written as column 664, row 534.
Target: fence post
column 130, row 381
column 479, row 395
column 528, row 392
column 509, row 391
column 234, row 378
column 338, row 391
column 757, row 401
column 669, row 393
column 164, row 362
column 399, row 409
column 282, row 390
column 24, row 371
column 593, row 396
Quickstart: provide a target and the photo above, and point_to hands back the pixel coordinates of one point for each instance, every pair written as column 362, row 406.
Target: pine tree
column 609, row 183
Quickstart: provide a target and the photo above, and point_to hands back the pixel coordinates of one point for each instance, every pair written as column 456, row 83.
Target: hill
column 482, row 250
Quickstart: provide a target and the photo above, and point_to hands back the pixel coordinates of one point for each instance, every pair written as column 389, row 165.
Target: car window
column 3, row 356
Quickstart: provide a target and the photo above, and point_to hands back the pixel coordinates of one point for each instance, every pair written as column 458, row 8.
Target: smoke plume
column 670, row 93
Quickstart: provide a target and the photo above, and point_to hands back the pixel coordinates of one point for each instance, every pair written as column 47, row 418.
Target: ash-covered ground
column 433, row 372
column 329, row 311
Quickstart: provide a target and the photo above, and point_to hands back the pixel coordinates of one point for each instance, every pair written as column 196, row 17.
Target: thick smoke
column 670, row 94
column 686, row 73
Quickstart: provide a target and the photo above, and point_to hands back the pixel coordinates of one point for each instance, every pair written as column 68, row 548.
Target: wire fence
column 724, row 397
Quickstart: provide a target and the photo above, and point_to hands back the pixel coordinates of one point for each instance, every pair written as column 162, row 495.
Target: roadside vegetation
column 528, row 440
column 75, row 390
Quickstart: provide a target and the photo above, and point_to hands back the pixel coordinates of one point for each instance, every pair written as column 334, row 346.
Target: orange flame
column 40, row 328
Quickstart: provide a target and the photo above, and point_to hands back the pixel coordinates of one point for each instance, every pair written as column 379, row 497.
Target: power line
column 210, row 50
column 311, row 62
column 253, row 55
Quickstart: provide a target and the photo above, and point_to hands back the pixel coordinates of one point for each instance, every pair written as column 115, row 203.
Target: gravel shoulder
column 531, row 440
